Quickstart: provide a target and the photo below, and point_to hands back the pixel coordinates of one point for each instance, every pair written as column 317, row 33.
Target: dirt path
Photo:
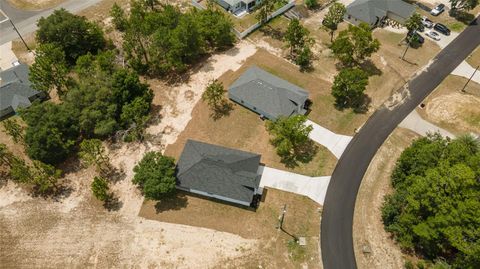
column 373, row 246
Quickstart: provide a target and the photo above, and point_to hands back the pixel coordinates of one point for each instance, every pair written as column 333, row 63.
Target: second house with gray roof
column 268, row 95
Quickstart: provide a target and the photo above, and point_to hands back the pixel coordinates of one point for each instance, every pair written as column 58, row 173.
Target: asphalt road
column 26, row 21
column 338, row 209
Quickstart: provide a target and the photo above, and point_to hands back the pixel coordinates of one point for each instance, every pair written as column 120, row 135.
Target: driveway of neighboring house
column 334, row 142
column 465, row 70
column 422, row 127
column 313, row 187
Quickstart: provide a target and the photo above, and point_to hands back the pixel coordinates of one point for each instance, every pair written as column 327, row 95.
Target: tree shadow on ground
column 113, row 203
column 462, row 16
column 359, row 107
column 370, row 68
column 175, row 201
column 269, row 31
column 222, row 110
column 301, row 154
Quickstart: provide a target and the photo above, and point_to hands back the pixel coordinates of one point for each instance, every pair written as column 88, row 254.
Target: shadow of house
column 375, row 12
column 268, row 95
column 217, row 172
column 16, row 91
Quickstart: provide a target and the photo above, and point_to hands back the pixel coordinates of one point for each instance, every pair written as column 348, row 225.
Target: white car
column 433, row 35
column 437, row 10
column 427, row 22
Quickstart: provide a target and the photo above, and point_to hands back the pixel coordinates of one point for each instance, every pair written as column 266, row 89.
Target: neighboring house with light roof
column 374, row 12
column 238, row 6
column 16, row 91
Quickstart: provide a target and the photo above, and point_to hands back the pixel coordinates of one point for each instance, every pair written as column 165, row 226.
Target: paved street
column 337, row 218
column 26, row 21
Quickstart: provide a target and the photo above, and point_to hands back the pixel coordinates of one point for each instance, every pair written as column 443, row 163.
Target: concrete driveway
column 416, row 123
column 313, row 187
column 334, row 142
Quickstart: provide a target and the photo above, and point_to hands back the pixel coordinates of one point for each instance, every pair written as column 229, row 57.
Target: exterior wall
column 214, row 196
column 249, row 106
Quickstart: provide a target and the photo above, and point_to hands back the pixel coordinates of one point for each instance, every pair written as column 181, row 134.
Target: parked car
column 442, row 28
column 433, row 35
column 414, row 36
column 437, row 10
column 427, row 22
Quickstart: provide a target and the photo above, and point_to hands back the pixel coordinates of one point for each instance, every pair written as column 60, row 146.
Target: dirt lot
column 243, row 129
column 474, row 58
column 453, row 110
column 34, row 4
column 302, row 219
column 368, row 232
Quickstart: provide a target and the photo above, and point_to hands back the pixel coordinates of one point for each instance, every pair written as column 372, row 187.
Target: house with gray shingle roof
column 16, row 91
column 219, row 172
column 268, row 95
column 374, row 12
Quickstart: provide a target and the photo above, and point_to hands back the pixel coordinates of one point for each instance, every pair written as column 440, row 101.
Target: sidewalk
column 420, row 126
column 313, row 187
column 334, row 142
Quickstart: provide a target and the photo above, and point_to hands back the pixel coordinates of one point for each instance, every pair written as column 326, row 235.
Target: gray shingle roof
column 269, row 93
column 368, row 10
column 15, row 89
column 218, row 170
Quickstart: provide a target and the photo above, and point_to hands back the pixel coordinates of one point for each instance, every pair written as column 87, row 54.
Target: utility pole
column 282, row 217
column 464, row 86
column 405, row 52
column 16, row 30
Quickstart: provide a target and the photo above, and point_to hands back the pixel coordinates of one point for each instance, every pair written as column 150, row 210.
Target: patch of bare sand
column 457, row 109
column 373, row 246
column 34, row 4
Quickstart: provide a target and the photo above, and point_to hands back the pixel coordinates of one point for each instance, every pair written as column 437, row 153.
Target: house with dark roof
column 16, row 91
column 268, row 95
column 374, row 12
column 227, row 174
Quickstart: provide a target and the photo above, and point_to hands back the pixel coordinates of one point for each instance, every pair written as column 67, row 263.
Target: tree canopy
column 435, row 206
column 290, row 136
column 49, row 69
column 74, row 34
column 155, row 175
column 463, row 5
column 163, row 40
column 333, row 17
column 355, row 44
column 299, row 41
column 349, row 86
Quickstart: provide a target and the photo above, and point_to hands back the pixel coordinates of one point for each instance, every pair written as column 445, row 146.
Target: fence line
column 249, row 30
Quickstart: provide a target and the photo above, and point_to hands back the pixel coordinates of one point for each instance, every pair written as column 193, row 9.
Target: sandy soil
column 373, row 246
column 34, row 4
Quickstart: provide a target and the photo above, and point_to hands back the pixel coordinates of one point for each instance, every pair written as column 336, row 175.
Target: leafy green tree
column 151, row 3
column 265, row 8
column 155, row 175
column 92, row 152
column 435, row 203
column 215, row 28
column 49, row 69
column 45, row 177
column 414, row 22
column 135, row 117
column 20, row 171
column 355, row 44
column 100, row 189
column 349, row 87
column 333, row 17
column 296, row 37
column 51, row 133
column 304, row 58
column 311, row 4
column 464, row 5
column 290, row 137
column 126, row 87
column 74, row 34
column 118, row 17
column 214, row 94
column 13, row 129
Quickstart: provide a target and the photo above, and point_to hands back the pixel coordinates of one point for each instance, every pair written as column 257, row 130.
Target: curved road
column 337, row 218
